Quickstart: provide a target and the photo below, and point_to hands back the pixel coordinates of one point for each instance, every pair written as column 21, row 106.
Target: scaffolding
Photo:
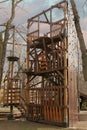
column 46, row 88
column 13, row 95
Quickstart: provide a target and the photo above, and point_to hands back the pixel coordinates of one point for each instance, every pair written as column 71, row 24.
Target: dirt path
column 26, row 125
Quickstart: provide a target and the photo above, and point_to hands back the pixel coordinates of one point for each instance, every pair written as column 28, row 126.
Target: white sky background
column 29, row 8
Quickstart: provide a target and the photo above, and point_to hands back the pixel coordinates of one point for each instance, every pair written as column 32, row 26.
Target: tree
column 4, row 35
column 4, row 1
column 81, row 39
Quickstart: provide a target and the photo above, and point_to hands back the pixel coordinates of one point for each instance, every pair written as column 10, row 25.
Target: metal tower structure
column 13, row 84
column 47, row 87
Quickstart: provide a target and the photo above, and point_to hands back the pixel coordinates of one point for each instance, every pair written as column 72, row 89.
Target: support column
column 73, row 98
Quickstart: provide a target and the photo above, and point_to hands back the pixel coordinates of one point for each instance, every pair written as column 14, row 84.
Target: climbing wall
column 73, row 70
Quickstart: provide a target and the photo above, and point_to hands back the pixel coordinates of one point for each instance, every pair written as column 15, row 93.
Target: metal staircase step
column 21, row 109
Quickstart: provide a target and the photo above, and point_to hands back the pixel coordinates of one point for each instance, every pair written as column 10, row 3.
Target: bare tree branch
column 14, row 5
column 18, row 2
column 3, row 42
column 3, row 24
column 4, row 1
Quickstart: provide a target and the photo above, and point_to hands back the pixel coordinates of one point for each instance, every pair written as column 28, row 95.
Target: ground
column 26, row 125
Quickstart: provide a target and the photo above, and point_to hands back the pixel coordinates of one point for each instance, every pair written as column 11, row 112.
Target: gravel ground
column 26, row 125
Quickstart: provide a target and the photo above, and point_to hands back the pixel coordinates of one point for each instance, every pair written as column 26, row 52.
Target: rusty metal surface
column 47, row 68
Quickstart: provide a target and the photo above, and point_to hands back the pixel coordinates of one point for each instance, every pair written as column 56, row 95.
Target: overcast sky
column 29, row 8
